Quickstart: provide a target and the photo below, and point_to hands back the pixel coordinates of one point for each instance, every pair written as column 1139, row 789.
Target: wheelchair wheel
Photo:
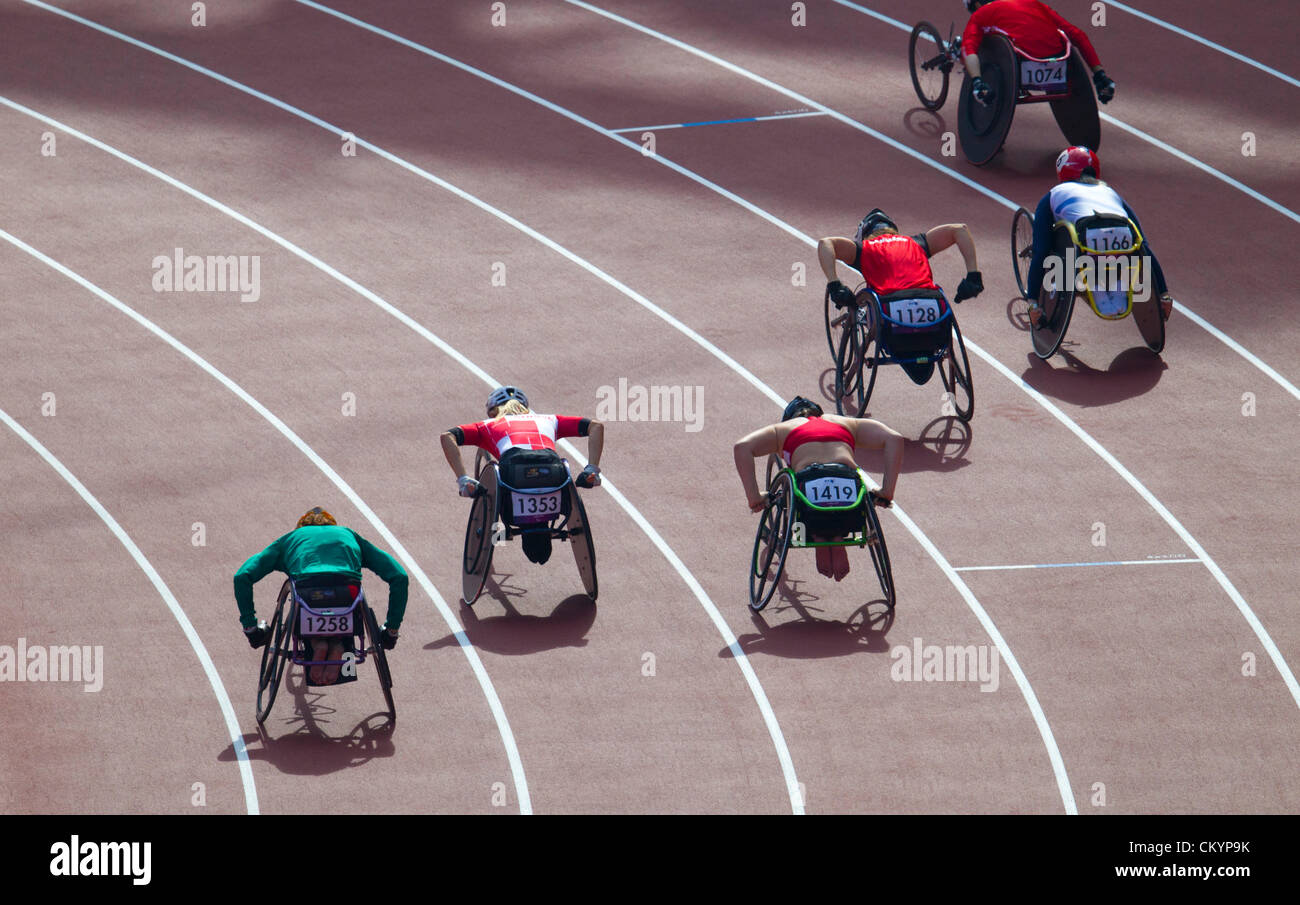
column 983, row 129
column 584, row 549
column 1150, row 321
column 837, row 319
column 1022, row 248
column 855, row 368
column 476, row 561
column 771, row 542
column 381, row 663
column 880, row 556
column 929, row 64
column 954, row 371
column 274, row 656
column 1056, row 307
column 1077, row 114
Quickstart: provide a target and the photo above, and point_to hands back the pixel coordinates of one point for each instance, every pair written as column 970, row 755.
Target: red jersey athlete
column 890, row 262
column 1032, row 26
column 511, row 427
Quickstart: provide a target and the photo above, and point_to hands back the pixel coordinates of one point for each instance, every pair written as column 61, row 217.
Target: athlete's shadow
column 514, row 633
column 925, row 124
column 310, row 749
column 941, row 446
column 1131, row 373
column 809, row 637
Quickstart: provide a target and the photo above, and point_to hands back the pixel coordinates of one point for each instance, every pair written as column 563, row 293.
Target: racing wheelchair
column 1015, row 77
column 830, row 502
column 532, row 493
column 314, row 608
column 1104, row 265
column 914, row 328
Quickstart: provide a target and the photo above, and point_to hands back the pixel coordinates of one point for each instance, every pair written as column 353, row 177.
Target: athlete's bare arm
column 762, row 442
column 451, row 450
column 595, row 441
column 871, row 434
column 832, row 249
column 949, row 234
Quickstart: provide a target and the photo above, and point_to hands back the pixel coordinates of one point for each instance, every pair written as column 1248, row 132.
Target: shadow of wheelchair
column 1131, row 373
column 941, row 446
column 810, row 637
column 514, row 633
column 925, row 124
column 309, row 749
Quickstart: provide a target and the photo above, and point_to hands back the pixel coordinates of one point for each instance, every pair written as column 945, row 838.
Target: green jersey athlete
column 318, row 546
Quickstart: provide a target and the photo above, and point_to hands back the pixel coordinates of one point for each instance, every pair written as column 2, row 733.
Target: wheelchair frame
column 284, row 648
column 776, row 530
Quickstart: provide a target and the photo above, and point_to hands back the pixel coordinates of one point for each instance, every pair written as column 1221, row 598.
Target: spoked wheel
column 930, row 65
column 880, row 555
column 855, row 368
column 771, row 542
column 1022, row 248
column 954, row 371
column 1055, row 306
column 381, row 663
column 584, row 549
column 275, row 655
column 476, row 561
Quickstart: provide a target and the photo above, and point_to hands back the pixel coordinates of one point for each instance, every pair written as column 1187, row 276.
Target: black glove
column 387, row 638
column 970, row 287
column 981, row 91
column 588, row 478
column 840, row 294
column 258, row 635
column 881, row 501
column 1105, row 87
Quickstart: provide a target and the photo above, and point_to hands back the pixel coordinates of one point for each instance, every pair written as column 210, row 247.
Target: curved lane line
column 178, row 613
column 507, row 737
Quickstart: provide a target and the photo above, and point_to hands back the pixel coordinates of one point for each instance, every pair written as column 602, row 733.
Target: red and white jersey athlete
column 531, row 431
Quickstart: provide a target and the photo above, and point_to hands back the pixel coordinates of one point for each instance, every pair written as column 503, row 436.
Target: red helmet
column 1071, row 163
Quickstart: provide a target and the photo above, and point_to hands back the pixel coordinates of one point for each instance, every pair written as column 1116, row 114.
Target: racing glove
column 590, row 477
column 467, row 486
column 883, row 502
column 981, row 91
column 970, row 287
column 841, row 295
column 387, row 638
column 258, row 635
column 1105, row 87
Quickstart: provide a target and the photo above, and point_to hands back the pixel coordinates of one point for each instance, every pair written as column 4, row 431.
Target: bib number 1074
column 1042, row 75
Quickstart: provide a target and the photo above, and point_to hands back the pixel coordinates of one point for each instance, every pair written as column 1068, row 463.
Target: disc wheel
column 584, row 549
column 930, row 65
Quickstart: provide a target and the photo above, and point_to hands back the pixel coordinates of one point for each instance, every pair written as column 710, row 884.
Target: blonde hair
column 510, row 407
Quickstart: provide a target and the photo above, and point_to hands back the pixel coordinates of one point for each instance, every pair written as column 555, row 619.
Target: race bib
column 527, row 504
column 325, row 623
column 915, row 312
column 1109, row 238
column 1050, row 74
column 832, row 491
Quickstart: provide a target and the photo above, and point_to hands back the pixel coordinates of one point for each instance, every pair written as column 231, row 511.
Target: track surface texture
column 483, row 221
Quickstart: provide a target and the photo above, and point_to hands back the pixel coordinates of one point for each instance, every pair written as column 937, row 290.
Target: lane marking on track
column 742, row 661
column 1071, row 565
column 723, row 122
column 1208, row 43
column 1164, row 146
column 1243, row 607
column 503, row 725
column 177, row 611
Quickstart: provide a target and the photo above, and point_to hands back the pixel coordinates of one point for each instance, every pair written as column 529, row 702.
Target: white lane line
column 1071, row 565
column 1208, row 43
column 742, row 661
column 722, row 122
column 178, row 613
column 1031, row 699
column 1164, row 146
column 1114, row 463
column 503, row 725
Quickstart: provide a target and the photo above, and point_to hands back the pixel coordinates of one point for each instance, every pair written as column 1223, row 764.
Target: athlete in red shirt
column 1033, row 27
column 890, row 262
column 512, row 427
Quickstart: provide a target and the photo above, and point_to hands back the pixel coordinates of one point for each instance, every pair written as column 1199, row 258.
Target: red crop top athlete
column 529, row 431
column 891, row 262
column 815, row 430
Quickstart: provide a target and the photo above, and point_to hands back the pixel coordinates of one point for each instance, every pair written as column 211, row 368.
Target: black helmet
column 873, row 221
column 798, row 407
column 501, row 395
